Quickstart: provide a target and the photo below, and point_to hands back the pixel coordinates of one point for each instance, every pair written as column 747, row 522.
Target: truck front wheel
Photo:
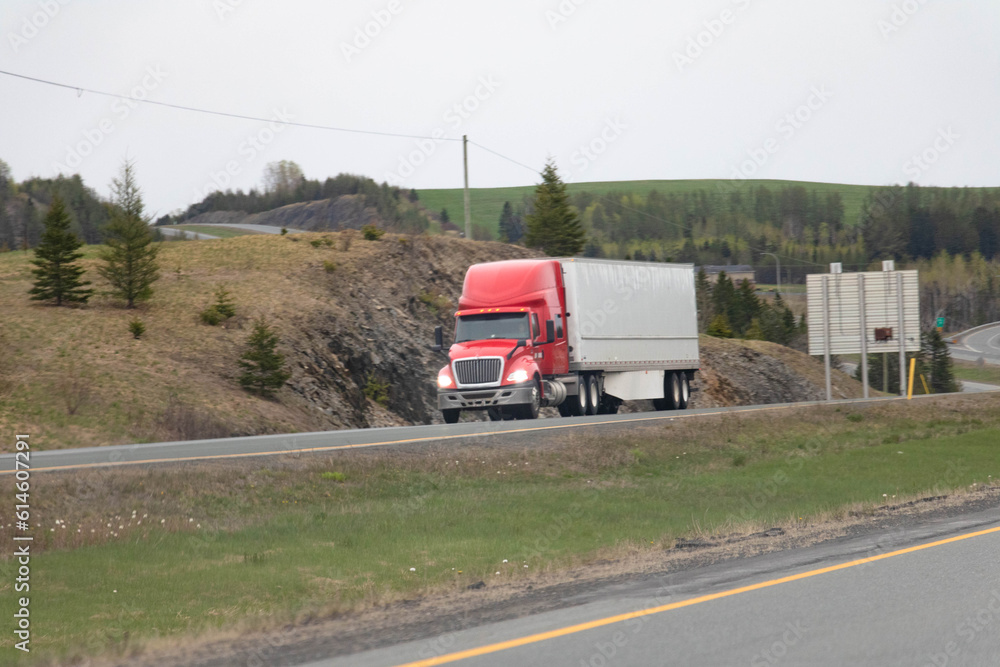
column 530, row 411
column 450, row 416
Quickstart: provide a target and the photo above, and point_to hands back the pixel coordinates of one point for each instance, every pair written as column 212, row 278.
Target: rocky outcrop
column 345, row 212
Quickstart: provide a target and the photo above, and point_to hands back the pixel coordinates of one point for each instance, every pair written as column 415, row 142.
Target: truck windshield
column 492, row 325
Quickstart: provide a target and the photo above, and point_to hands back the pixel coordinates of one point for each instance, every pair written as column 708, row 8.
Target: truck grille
column 481, row 371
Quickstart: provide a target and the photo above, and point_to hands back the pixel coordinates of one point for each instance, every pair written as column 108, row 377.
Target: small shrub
column 327, row 241
column 372, row 233
column 739, row 460
column 436, row 303
column 855, row 417
column 211, row 316
column 283, row 231
column 377, row 390
column 136, row 327
column 329, row 266
column 221, row 310
column 316, row 243
column 334, row 476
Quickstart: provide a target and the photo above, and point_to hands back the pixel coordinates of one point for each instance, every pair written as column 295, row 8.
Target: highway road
column 927, row 594
column 298, row 444
column 978, row 343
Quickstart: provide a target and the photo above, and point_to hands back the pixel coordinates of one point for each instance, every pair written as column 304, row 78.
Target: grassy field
column 487, row 203
column 214, row 230
column 967, row 370
column 76, row 377
column 130, row 557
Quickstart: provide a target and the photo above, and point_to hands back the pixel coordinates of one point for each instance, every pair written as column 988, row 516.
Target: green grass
column 487, row 203
column 212, row 230
column 966, row 370
column 263, row 547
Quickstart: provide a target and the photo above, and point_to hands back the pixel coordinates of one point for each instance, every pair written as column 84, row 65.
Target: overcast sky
column 854, row 91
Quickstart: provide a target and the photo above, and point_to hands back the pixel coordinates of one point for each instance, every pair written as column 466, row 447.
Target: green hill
column 486, row 203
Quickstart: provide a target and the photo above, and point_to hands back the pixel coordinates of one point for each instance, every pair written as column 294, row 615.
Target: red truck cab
column 510, row 334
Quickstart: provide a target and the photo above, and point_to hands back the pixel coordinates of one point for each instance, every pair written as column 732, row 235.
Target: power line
column 80, row 90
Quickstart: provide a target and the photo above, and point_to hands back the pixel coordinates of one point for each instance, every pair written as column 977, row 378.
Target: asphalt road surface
column 979, row 343
column 298, row 444
column 924, row 595
column 195, row 236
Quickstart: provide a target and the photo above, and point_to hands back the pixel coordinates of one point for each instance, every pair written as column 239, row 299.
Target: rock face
column 735, row 372
column 364, row 359
column 345, row 212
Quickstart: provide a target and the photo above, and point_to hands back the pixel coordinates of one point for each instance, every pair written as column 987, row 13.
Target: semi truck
column 581, row 335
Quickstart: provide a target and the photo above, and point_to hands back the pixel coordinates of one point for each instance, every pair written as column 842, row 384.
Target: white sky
column 896, row 80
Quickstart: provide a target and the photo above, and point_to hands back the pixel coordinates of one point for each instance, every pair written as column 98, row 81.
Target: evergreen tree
column 935, row 351
column 130, row 256
column 703, row 296
column 720, row 327
column 554, row 226
column 511, row 225
column 58, row 276
column 262, row 364
column 747, row 306
column 724, row 297
column 445, row 218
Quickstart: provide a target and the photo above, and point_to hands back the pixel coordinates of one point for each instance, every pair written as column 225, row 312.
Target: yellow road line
column 332, row 448
column 572, row 629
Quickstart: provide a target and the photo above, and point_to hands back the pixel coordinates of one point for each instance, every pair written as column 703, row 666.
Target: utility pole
column 468, row 208
column 778, row 275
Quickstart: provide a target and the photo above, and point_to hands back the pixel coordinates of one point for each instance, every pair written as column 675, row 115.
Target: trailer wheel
column 593, row 395
column 451, row 416
column 685, row 391
column 673, row 392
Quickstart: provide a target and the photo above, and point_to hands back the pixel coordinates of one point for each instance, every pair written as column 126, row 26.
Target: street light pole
column 778, row 260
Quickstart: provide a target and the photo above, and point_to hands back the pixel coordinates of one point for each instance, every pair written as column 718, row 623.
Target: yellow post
column 913, row 367
column 926, row 388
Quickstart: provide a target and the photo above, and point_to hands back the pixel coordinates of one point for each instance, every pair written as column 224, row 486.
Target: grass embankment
column 973, row 372
column 215, row 230
column 130, row 555
column 75, row 377
column 487, row 203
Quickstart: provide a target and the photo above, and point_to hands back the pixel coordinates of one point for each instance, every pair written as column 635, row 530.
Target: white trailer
column 633, row 327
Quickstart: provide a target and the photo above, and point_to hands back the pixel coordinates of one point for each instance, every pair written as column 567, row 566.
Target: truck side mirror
column 438, row 339
column 550, row 331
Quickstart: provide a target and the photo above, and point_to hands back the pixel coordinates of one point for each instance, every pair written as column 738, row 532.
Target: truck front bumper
column 480, row 399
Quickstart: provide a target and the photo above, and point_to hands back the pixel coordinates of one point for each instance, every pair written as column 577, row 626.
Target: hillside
column 355, row 326
column 487, row 203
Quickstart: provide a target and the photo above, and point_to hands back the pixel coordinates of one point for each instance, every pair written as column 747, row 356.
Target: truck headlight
column 444, row 380
column 520, row 375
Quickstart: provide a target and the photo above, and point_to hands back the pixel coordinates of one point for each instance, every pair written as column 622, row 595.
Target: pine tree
column 262, row 364
column 724, row 297
column 554, row 226
column 720, row 327
column 130, row 256
column 747, row 306
column 511, row 225
column 935, row 351
column 58, row 276
column 703, row 295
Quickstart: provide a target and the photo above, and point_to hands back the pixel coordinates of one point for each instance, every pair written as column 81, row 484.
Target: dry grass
column 282, row 278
